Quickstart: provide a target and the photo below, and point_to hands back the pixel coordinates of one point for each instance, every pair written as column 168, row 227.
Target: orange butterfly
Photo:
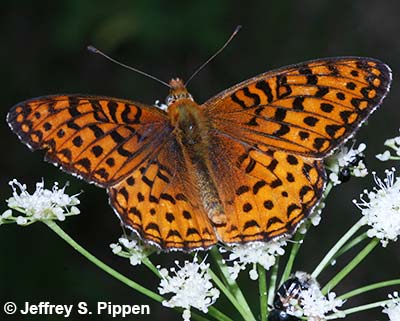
column 246, row 165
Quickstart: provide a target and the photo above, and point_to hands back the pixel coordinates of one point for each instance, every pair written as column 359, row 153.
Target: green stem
column 52, row 225
column 350, row 245
column 298, row 240
column 349, row 267
column 151, row 266
column 232, row 285
column 132, row 284
column 262, row 288
column 244, row 313
column 369, row 287
column 358, row 309
column 218, row 315
column 272, row 282
column 330, row 255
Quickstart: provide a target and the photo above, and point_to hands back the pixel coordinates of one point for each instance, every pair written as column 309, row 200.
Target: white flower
column 132, row 248
column 263, row 253
column 392, row 309
column 43, row 204
column 301, row 296
column 191, row 285
column 160, row 105
column 394, row 144
column 381, row 209
column 346, row 162
column 316, row 306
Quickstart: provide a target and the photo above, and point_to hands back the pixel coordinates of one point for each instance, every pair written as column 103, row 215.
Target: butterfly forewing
column 98, row 138
column 306, row 109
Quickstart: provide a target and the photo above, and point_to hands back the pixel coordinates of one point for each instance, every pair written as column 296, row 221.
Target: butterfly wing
column 161, row 202
column 271, row 132
column 266, row 193
column 100, row 139
column 126, row 147
column 307, row 109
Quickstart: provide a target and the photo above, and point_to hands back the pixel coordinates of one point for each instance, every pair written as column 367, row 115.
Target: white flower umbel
column 263, row 253
column 381, row 208
column 392, row 309
column 316, row 306
column 305, row 299
column 191, row 285
column 347, row 162
column 394, row 154
column 43, row 204
column 133, row 248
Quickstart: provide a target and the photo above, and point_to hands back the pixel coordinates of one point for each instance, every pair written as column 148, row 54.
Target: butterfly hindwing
column 159, row 202
column 265, row 193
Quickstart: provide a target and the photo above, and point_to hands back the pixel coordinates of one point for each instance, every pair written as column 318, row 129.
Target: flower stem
column 151, row 266
column 298, row 240
column 350, row 266
column 330, row 255
column 132, row 284
column 60, row 232
column 232, row 285
column 272, row 282
column 218, row 315
column 358, row 309
column 369, row 287
column 262, row 288
column 245, row 314
column 351, row 244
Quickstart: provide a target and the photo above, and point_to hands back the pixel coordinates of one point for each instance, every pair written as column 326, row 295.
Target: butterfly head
column 178, row 91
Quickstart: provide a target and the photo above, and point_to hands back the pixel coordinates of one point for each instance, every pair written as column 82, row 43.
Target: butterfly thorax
column 191, row 130
column 187, row 118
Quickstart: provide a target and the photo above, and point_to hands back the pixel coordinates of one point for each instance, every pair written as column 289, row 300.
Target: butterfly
column 247, row 165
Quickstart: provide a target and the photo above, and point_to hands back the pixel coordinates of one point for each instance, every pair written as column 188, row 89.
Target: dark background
column 43, row 52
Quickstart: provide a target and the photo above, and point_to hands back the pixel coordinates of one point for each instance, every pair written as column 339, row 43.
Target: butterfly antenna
column 97, row 51
column 214, row 55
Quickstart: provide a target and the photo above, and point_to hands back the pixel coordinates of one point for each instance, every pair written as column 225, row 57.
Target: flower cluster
column 43, row 204
column 263, row 253
column 192, row 286
column 392, row 309
column 316, row 306
column 133, row 248
column 347, row 162
column 308, row 301
column 394, row 144
column 381, row 208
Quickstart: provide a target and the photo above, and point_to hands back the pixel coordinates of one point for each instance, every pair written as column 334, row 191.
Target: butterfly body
column 192, row 132
column 247, row 165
